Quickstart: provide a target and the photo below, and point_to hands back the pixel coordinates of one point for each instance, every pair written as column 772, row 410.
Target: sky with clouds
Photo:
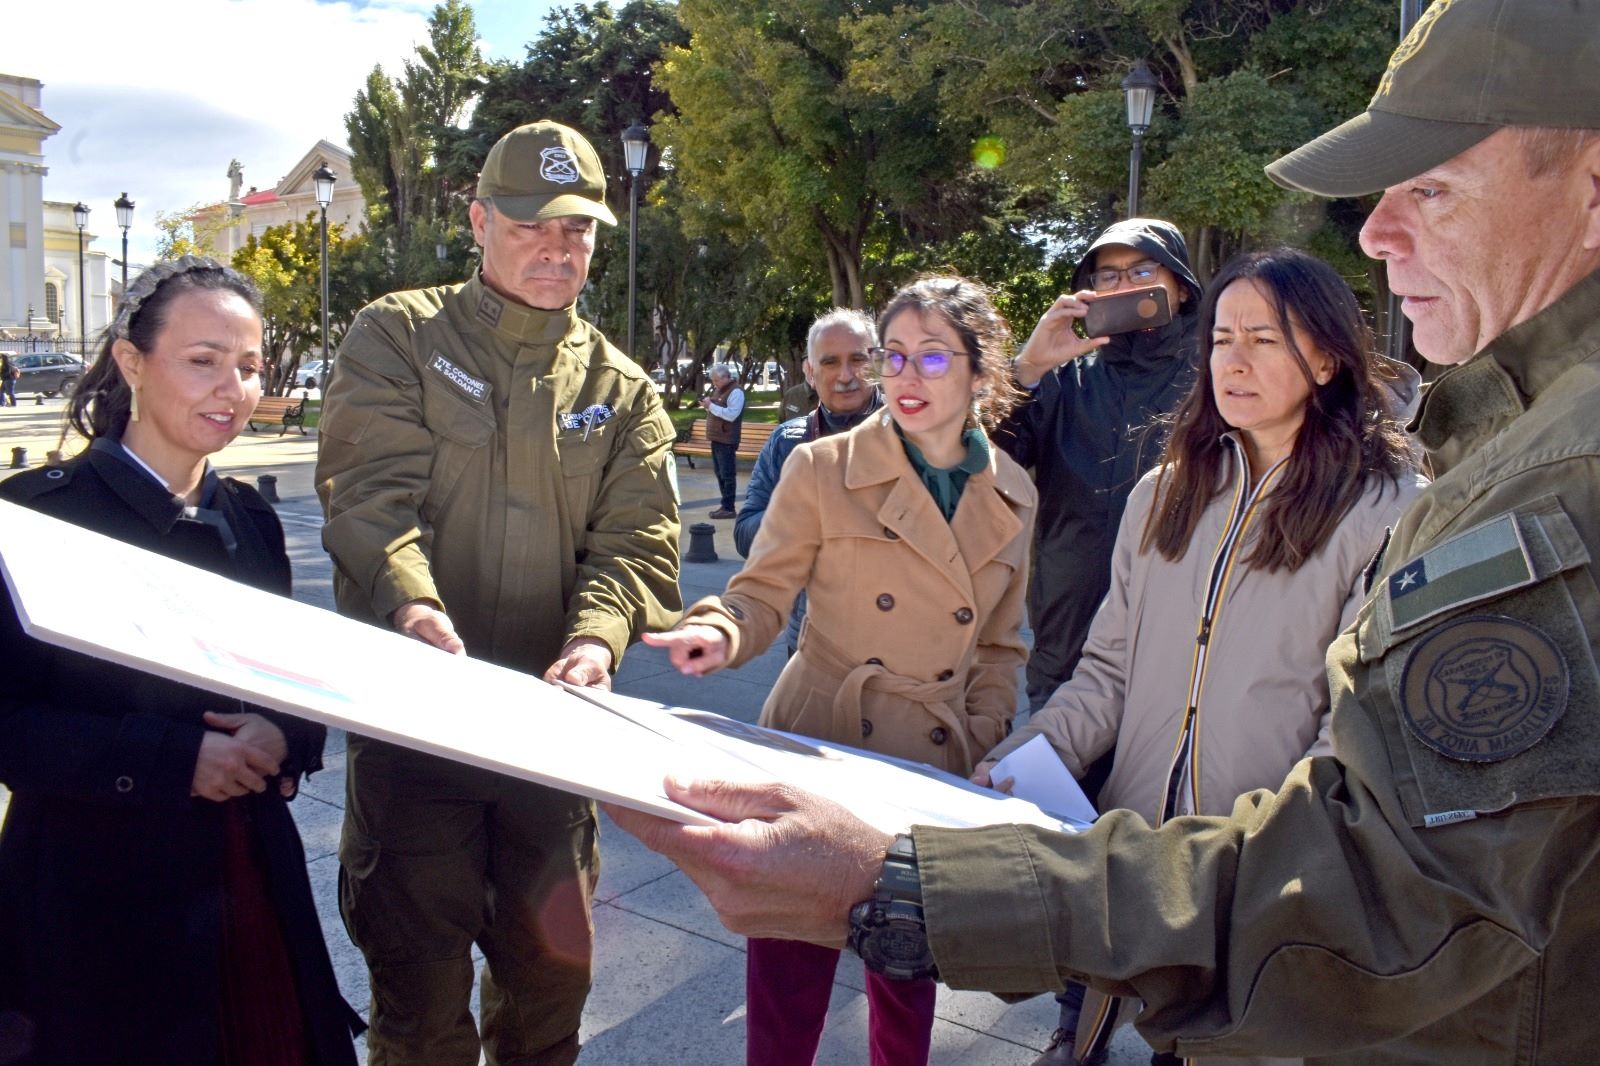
column 155, row 99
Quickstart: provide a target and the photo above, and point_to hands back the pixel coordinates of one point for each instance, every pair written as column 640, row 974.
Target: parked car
column 47, row 372
column 310, row 375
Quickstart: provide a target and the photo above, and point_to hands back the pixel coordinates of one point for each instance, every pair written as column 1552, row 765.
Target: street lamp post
column 323, row 179
column 124, row 208
column 1139, row 89
column 635, row 147
column 80, row 215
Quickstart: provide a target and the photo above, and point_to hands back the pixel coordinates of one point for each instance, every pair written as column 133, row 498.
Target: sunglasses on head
column 888, row 363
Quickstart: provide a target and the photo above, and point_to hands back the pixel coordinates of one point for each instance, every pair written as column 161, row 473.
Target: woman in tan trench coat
column 910, row 536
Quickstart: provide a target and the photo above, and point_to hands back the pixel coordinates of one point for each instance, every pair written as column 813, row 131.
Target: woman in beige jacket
column 910, row 536
column 1238, row 560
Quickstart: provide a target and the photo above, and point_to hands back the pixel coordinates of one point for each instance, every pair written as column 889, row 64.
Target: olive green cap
column 544, row 170
column 1466, row 69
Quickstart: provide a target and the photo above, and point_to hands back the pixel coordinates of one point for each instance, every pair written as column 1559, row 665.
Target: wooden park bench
column 752, row 438
column 280, row 411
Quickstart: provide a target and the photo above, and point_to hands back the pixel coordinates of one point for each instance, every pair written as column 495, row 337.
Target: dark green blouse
column 946, row 485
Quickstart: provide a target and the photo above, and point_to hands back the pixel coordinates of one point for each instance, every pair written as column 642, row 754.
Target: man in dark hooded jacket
column 1084, row 434
column 1083, row 431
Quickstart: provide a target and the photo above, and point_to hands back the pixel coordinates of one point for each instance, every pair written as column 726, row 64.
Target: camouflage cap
column 544, row 170
column 1466, row 69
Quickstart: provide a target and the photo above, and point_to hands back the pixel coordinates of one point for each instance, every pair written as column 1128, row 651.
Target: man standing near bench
column 835, row 366
column 724, row 411
column 497, row 482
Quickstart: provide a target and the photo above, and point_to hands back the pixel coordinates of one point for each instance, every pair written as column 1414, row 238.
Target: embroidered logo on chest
column 1483, row 688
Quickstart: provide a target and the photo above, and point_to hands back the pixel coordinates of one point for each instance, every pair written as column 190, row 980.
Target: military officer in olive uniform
column 497, row 482
column 1431, row 894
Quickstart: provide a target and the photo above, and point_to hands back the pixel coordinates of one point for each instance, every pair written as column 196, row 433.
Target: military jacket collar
column 516, row 322
column 1472, row 402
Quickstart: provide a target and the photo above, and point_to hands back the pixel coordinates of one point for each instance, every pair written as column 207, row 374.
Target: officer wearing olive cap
column 497, row 482
column 1432, row 894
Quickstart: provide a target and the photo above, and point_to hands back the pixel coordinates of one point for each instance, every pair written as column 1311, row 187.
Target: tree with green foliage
column 1242, row 82
column 401, row 131
column 778, row 123
column 285, row 262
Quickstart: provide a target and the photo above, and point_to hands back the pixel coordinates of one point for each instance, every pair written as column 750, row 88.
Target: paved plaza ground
column 669, row 979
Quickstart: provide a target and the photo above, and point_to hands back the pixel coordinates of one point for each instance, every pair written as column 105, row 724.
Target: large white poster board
column 151, row 613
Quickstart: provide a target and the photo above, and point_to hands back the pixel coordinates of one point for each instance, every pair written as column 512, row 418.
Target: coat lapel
column 986, row 519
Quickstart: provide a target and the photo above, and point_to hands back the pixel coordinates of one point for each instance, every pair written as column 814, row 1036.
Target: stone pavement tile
column 348, row 965
column 661, row 995
column 625, row 864
column 674, row 900
column 319, row 823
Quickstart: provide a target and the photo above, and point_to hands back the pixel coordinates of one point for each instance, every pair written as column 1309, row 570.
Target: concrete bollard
column 53, row 457
column 19, row 458
column 702, row 543
column 268, row 485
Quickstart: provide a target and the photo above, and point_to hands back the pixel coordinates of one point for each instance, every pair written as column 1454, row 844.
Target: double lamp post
column 80, row 217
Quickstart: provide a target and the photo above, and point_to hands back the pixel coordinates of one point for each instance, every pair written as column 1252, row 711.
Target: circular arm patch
column 1483, row 688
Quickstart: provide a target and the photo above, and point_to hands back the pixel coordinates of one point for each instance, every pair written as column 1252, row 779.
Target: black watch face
column 898, row 945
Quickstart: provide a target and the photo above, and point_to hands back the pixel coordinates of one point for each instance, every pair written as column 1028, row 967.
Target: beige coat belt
column 938, row 698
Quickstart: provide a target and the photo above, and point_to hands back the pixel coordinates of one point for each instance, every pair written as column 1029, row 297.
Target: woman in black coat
column 154, row 904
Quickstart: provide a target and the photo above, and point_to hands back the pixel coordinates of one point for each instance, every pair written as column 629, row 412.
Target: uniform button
column 885, row 602
column 938, row 736
column 946, row 675
column 124, row 783
column 866, row 727
column 964, row 616
column 874, row 662
column 891, row 534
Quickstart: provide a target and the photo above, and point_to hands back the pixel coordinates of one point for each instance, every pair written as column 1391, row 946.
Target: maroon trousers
column 787, row 985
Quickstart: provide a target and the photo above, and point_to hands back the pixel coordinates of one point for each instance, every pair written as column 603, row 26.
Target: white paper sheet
column 154, row 614
column 1039, row 776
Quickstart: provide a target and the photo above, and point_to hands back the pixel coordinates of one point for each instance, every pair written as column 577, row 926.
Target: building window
column 52, row 302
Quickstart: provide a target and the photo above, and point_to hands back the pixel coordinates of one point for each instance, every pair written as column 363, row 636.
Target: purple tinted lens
column 933, row 364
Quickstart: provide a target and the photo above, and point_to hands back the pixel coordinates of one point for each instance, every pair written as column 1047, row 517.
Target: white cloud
column 155, row 100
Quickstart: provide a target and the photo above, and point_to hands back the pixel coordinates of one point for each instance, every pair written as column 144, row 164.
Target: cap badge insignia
column 557, row 165
column 1411, row 45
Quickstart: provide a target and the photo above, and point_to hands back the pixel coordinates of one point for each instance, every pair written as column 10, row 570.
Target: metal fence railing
column 82, row 347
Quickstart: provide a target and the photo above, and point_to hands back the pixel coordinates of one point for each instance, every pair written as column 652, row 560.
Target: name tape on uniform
column 474, row 389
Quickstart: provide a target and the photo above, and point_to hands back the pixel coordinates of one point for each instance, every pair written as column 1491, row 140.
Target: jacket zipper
column 1186, row 751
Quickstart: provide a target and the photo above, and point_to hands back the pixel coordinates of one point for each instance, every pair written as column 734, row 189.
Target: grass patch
column 753, row 412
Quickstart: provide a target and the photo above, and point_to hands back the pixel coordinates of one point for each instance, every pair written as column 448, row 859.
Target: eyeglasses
column 888, row 363
column 1110, row 277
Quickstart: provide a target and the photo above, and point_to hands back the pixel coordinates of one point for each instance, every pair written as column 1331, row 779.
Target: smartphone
column 1123, row 312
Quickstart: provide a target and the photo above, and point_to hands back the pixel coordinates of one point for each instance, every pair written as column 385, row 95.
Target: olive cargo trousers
column 437, row 856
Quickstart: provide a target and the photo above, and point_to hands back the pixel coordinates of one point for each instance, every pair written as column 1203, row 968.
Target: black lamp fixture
column 1139, row 90
column 323, row 181
column 124, row 208
column 635, row 150
column 80, row 215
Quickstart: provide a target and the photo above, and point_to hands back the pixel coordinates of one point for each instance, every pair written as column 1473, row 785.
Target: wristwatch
column 888, row 931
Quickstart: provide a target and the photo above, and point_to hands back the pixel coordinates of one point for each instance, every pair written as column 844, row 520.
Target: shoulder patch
column 1483, row 688
column 1485, row 562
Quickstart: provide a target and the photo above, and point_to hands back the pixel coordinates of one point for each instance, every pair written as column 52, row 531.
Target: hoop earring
column 133, row 405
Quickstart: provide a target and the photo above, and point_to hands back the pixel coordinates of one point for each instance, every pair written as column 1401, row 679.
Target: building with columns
column 225, row 226
column 40, row 271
